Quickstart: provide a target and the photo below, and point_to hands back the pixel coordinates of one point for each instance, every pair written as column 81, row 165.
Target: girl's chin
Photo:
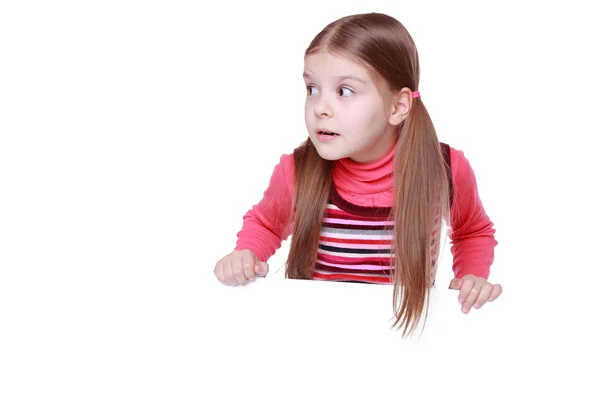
column 327, row 151
column 329, row 155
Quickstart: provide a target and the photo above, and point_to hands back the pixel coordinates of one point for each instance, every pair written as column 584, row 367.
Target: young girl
column 364, row 197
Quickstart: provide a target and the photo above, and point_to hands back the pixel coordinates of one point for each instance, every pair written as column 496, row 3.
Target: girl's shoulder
column 463, row 177
column 456, row 158
column 463, row 183
column 286, row 163
column 283, row 173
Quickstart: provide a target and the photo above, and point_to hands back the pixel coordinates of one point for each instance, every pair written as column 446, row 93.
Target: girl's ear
column 402, row 103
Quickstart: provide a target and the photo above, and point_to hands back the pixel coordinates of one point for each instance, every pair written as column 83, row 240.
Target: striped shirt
column 355, row 244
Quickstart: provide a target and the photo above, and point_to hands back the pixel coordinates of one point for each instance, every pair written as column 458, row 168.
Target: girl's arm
column 471, row 231
column 267, row 223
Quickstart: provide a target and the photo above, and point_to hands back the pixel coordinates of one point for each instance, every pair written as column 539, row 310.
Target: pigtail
column 312, row 187
column 421, row 193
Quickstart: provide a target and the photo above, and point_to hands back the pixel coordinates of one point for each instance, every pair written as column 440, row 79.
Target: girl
column 364, row 197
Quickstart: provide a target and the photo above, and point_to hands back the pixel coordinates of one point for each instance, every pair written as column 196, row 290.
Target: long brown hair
column 421, row 196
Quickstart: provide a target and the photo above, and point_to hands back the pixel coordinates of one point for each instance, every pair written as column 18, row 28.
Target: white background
column 135, row 135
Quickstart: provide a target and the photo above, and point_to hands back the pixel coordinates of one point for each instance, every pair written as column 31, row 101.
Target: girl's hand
column 240, row 267
column 474, row 291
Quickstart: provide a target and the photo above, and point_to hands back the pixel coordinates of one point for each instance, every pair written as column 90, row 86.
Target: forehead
column 326, row 65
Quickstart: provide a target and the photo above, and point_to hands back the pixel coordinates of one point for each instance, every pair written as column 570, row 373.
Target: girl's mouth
column 326, row 136
column 328, row 133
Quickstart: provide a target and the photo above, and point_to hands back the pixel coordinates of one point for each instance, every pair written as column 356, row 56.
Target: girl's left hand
column 474, row 291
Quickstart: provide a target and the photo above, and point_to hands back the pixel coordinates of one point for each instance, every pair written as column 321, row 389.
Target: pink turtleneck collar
column 368, row 178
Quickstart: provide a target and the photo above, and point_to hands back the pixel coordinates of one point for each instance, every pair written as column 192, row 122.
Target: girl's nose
column 323, row 108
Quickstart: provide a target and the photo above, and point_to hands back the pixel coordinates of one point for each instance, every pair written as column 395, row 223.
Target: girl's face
column 347, row 113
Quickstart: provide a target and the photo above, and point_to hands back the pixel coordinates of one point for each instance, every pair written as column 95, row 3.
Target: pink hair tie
column 416, row 94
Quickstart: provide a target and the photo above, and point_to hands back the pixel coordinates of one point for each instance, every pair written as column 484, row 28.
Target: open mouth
column 327, row 133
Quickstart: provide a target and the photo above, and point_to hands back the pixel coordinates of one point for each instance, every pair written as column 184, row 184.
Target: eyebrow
column 341, row 77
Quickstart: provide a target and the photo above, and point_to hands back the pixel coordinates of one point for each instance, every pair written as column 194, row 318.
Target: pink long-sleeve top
column 471, row 232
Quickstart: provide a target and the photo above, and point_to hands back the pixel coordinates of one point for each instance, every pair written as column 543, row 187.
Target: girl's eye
column 311, row 90
column 345, row 92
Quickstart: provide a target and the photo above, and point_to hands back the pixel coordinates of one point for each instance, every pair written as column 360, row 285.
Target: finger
column 484, row 295
column 465, row 289
column 238, row 273
column 473, row 294
column 218, row 271
column 248, row 266
column 496, row 292
column 455, row 283
column 228, row 273
column 261, row 268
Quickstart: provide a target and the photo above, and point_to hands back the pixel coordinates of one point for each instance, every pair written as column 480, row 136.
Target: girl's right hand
column 240, row 267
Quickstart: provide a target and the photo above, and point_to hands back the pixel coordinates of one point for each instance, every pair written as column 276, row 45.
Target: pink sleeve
column 472, row 232
column 267, row 224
